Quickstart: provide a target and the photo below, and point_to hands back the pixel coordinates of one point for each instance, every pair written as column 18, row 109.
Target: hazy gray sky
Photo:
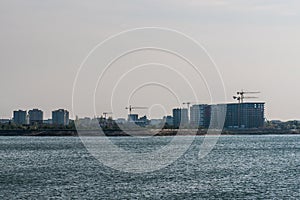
column 255, row 44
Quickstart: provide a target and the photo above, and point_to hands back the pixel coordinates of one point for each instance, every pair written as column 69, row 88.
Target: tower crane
column 240, row 96
column 188, row 104
column 240, row 99
column 130, row 108
column 106, row 113
column 188, row 107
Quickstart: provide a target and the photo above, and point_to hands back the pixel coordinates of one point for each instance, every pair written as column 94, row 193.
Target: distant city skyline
column 213, row 116
column 255, row 45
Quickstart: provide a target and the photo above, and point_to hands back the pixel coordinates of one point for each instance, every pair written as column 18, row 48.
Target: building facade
column 19, row 117
column 35, row 116
column 200, row 115
column 168, row 120
column 245, row 115
column 5, row 121
column 60, row 117
column 218, row 116
column 156, row 122
column 133, row 117
column 142, row 121
column 232, row 115
column 180, row 117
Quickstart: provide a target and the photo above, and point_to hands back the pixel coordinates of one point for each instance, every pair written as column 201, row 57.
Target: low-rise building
column 5, row 121
column 168, row 120
column 133, row 117
column 156, row 123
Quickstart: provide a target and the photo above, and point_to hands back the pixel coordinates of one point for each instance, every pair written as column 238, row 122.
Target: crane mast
column 241, row 96
column 130, row 108
column 106, row 113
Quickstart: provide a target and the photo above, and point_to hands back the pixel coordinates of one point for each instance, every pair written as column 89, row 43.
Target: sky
column 255, row 45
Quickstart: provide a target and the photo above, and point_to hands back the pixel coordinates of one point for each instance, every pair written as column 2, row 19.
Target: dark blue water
column 239, row 167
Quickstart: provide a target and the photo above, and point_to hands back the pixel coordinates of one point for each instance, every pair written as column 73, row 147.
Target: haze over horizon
column 254, row 44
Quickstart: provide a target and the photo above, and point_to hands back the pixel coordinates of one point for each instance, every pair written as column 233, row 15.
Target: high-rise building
column 200, row 115
column 35, row 116
column 19, row 117
column 232, row 115
column 238, row 115
column 60, row 117
column 217, row 116
column 245, row 115
column 180, row 117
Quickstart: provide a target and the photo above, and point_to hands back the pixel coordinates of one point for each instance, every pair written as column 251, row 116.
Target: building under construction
column 237, row 115
column 200, row 115
column 245, row 115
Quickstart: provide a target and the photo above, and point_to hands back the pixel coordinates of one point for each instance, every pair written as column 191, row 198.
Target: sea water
column 238, row 167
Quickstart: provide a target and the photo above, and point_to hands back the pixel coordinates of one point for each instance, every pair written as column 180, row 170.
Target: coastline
column 153, row 132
